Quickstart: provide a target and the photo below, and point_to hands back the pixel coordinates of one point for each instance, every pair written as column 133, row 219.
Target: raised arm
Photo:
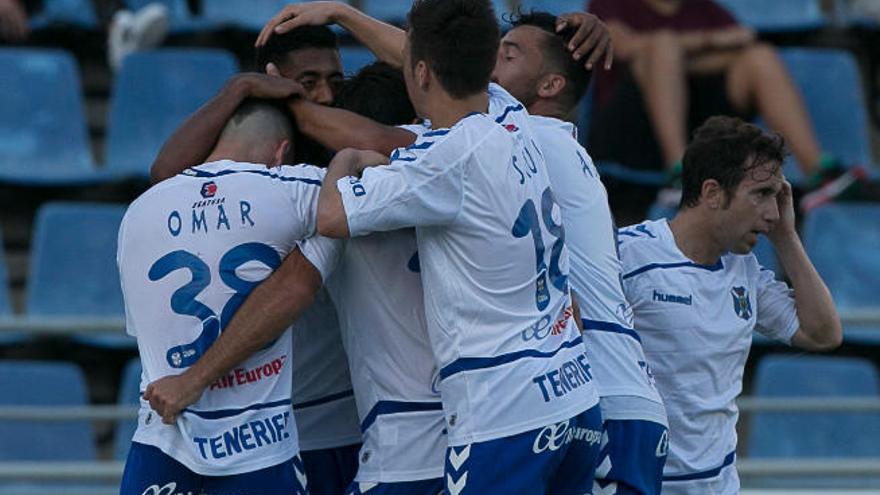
column 384, row 40
column 267, row 312
column 193, row 141
column 820, row 327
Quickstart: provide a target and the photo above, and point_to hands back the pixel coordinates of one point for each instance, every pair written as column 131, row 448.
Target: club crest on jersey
column 741, row 303
column 511, row 127
column 209, row 189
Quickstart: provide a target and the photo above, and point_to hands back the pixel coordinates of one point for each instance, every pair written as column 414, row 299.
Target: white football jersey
column 494, row 270
column 324, row 405
column 378, row 291
column 190, row 251
column 696, row 324
column 613, row 347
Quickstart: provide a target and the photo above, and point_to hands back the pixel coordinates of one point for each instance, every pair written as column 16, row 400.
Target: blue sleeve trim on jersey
column 395, row 407
column 194, row 172
column 421, row 146
column 227, row 413
column 510, row 108
column 323, row 400
column 607, row 326
column 476, row 363
column 438, row 132
column 703, row 474
column 684, row 264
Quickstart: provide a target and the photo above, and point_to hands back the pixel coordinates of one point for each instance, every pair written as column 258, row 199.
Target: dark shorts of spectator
column 621, row 132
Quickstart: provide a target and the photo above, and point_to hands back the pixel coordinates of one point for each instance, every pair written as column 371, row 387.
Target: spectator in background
column 132, row 31
column 14, row 16
column 680, row 62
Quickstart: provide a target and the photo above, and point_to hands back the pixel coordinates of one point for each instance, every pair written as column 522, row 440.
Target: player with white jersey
column 698, row 294
column 309, row 56
column 190, row 251
column 493, row 263
column 535, row 66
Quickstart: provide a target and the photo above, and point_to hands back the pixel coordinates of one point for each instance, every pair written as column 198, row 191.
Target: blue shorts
column 330, row 471
column 632, row 458
column 557, row 459
column 421, row 487
column 148, row 467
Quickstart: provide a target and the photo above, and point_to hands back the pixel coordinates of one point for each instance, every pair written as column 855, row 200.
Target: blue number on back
column 528, row 222
column 183, row 301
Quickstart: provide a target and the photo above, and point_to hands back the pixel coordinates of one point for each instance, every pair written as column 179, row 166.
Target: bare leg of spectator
column 659, row 69
column 758, row 76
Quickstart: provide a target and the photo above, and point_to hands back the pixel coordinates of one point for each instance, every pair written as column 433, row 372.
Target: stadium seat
column 77, row 13
column 830, row 84
column 841, row 240
column 354, row 58
column 73, row 266
column 43, row 136
column 779, row 15
column 129, row 395
column 153, row 93
column 394, row 11
column 555, row 7
column 788, row 435
column 181, row 20
column 251, row 15
column 46, row 384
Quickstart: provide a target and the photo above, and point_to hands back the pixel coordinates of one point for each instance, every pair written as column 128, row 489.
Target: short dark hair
column 378, row 92
column 279, row 45
column 459, row 41
column 726, row 149
column 555, row 52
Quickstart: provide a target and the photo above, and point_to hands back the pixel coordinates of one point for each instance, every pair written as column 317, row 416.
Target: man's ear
column 713, row 195
column 423, row 74
column 551, row 85
column 283, row 151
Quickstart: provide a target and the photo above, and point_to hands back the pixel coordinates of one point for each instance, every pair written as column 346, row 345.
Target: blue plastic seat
column 790, row 435
column 555, row 7
column 394, row 11
column 778, row 15
column 73, row 266
column 77, row 13
column 129, row 395
column 841, row 240
column 153, row 94
column 251, row 15
column 33, row 383
column 830, row 84
column 355, row 58
column 43, row 135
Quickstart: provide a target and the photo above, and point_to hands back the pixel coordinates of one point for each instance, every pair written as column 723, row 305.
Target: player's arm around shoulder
column 820, row 327
column 332, row 220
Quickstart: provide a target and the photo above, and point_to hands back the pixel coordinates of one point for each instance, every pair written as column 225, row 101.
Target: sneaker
column 130, row 32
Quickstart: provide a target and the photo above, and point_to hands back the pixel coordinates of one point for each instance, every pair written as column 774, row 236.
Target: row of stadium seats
column 43, row 127
column 75, row 275
column 775, row 16
column 45, row 142
column 770, row 434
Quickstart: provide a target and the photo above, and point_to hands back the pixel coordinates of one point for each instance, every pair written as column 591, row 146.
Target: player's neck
column 444, row 110
column 693, row 237
column 551, row 108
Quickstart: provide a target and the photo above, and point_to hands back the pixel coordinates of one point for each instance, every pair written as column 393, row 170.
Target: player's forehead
column 322, row 62
column 767, row 174
column 526, row 39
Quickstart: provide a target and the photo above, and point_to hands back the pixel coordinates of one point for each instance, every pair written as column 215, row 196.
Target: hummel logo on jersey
column 209, row 189
column 672, row 298
column 741, row 303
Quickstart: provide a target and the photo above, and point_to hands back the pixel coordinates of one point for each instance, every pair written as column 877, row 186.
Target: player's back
column 494, row 273
column 613, row 346
column 190, row 251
